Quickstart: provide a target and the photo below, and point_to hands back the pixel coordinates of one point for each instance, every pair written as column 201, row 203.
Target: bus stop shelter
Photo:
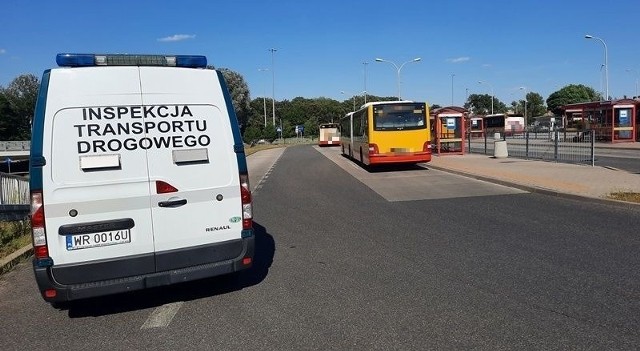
column 448, row 129
column 614, row 121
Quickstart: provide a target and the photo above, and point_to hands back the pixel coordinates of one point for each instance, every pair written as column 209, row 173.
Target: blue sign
column 451, row 123
column 278, row 129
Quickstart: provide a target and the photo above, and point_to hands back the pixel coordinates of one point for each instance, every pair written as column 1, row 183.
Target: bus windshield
column 408, row 116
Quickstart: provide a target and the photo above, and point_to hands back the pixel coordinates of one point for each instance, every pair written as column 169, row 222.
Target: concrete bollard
column 500, row 149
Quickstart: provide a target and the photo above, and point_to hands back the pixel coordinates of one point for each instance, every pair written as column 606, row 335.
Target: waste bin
column 500, row 149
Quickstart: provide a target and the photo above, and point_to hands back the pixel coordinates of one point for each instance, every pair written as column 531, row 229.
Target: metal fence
column 15, row 145
column 14, row 197
column 559, row 146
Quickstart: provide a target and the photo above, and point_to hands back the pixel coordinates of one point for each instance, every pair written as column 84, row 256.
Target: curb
column 9, row 261
column 533, row 189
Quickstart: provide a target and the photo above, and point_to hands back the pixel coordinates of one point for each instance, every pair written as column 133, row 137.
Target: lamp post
column 466, row 96
column 264, row 98
column 601, row 91
column 637, row 77
column 606, row 65
column 273, row 87
column 398, row 69
column 490, row 86
column 365, row 63
column 452, row 75
column 525, row 105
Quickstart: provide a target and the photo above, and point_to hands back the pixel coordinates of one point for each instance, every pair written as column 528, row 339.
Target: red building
column 613, row 121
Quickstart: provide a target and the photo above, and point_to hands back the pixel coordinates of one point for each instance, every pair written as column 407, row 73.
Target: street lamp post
column 490, row 86
column 525, row 105
column 365, row 63
column 398, row 69
column 601, row 91
column 264, row 98
column 452, row 75
column 273, row 87
column 606, row 64
column 466, row 99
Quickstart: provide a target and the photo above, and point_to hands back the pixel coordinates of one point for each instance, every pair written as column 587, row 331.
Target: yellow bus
column 387, row 132
column 329, row 134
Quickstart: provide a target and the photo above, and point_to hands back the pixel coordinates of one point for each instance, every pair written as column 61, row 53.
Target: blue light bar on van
column 88, row 60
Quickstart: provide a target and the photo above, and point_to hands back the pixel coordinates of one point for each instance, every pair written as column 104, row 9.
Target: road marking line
column 162, row 316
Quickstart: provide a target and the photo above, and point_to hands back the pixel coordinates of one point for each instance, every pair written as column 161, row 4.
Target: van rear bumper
column 83, row 290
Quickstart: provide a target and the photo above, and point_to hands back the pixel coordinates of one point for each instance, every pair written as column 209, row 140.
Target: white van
column 138, row 176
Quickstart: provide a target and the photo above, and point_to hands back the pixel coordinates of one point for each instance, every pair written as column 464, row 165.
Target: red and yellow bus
column 387, row 132
column 329, row 134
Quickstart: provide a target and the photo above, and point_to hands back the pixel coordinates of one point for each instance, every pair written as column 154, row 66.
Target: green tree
column 311, row 127
column 240, row 96
column 515, row 105
column 5, row 118
column 251, row 134
column 239, row 91
column 20, row 96
column 288, row 129
column 535, row 105
column 257, row 114
column 571, row 94
column 269, row 132
column 481, row 104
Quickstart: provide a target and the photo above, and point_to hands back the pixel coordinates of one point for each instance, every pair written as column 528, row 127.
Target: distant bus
column 504, row 124
column 329, row 134
column 387, row 132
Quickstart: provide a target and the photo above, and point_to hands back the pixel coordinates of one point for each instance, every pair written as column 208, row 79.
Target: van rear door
column 95, row 190
column 193, row 170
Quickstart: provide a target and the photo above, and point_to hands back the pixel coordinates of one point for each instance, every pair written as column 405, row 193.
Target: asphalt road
column 627, row 160
column 444, row 262
column 626, row 164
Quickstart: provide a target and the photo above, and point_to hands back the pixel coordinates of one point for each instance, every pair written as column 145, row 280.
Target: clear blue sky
column 321, row 45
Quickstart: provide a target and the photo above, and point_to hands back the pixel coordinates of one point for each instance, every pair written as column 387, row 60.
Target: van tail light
column 247, row 207
column 373, row 149
column 38, row 231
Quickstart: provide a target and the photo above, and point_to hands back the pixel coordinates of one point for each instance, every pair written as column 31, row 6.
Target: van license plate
column 85, row 241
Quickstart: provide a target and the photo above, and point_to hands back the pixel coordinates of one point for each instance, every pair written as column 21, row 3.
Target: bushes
column 13, row 235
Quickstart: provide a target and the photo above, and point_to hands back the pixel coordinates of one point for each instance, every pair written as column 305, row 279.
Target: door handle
column 172, row 203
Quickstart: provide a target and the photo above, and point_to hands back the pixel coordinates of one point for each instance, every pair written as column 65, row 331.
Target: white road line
column 162, row 316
